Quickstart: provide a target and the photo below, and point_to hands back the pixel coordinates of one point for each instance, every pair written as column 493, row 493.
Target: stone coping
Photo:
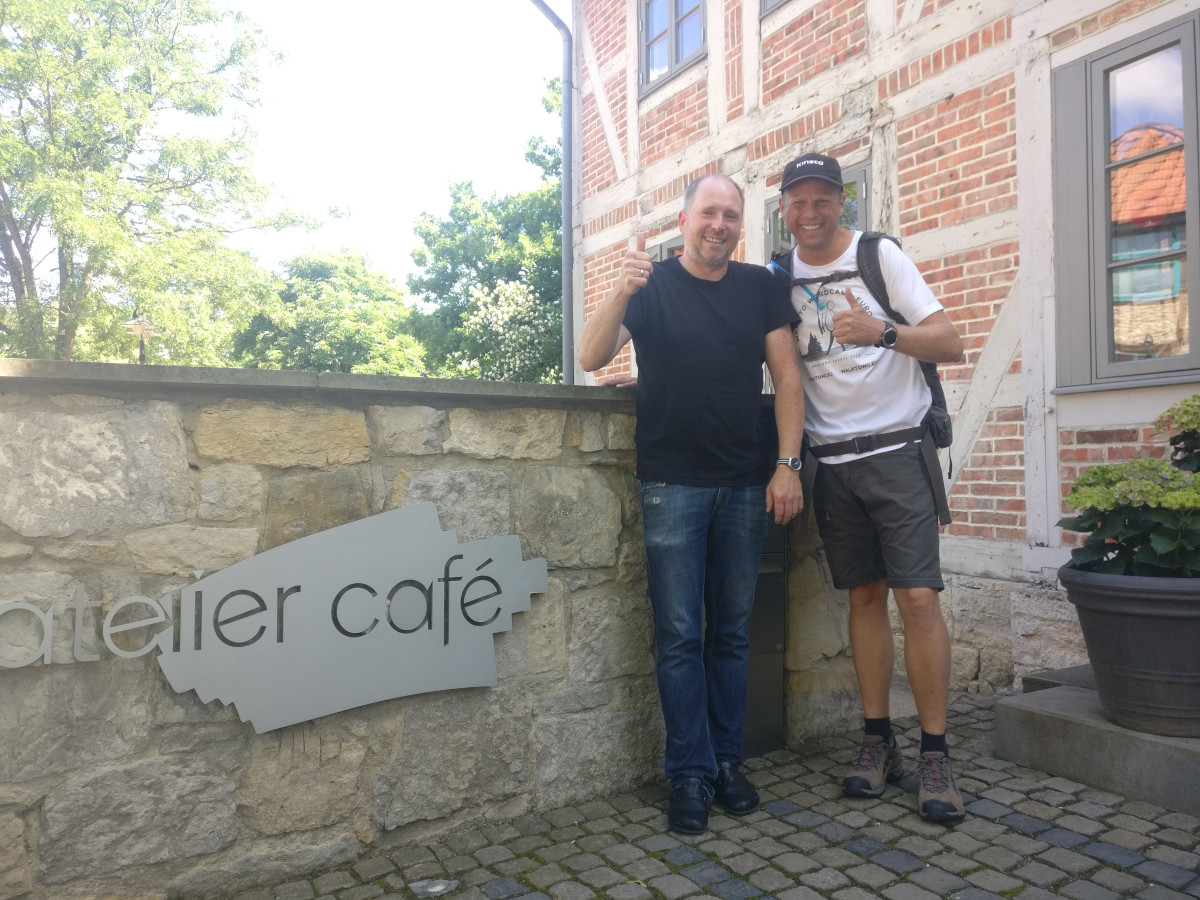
column 125, row 379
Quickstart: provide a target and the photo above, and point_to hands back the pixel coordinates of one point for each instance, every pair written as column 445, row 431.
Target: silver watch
column 792, row 462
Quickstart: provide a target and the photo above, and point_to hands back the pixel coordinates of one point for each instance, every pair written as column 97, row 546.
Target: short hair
column 689, row 193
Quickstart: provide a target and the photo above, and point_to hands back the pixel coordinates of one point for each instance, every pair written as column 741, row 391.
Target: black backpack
column 870, row 272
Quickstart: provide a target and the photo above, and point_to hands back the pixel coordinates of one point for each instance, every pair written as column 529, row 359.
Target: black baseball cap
column 811, row 165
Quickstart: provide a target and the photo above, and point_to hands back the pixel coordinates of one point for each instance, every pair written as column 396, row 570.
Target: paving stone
column 952, row 862
column 706, row 873
column 824, row 879
column 362, row 892
column 1039, row 874
column 629, row 891
column 988, row 809
column 547, row 875
column 745, row 863
column 1162, row 873
column 1082, row 824
column 991, row 880
column 871, row 875
column 1170, row 855
column 1122, row 882
column 1062, row 837
column 897, row 861
column 333, row 881
column 503, row 888
column 571, row 890
column 1111, row 853
column 938, row 880
column 656, row 843
column 645, row 868
column 907, row 892
column 293, row 890
column 999, row 858
column 594, row 843
column 734, row 889
column 770, row 880
column 601, row 877
column 673, row 886
column 1026, row 824
column 1087, row 890
column 373, row 868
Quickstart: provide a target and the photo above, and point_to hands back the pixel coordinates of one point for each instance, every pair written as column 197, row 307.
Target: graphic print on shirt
column 821, row 355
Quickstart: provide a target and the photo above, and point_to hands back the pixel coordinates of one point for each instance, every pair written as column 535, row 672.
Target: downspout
column 568, row 191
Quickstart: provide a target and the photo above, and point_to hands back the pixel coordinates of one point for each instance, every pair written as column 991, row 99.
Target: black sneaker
column 734, row 793
column 876, row 764
column 687, row 811
column 938, row 800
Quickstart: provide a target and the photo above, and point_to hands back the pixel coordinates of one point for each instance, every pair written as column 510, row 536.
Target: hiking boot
column 876, row 764
column 938, row 800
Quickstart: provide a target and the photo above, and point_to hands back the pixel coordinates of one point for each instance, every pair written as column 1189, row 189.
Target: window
column 857, row 187
column 667, row 249
column 1123, row 204
column 672, row 38
column 768, row 5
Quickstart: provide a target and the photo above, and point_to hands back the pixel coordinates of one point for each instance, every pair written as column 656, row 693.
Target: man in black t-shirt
column 702, row 325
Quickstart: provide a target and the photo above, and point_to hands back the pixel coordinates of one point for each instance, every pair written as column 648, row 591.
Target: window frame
column 1082, row 221
column 766, row 6
column 674, row 66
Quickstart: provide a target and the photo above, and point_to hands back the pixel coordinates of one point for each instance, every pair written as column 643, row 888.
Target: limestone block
column 570, row 517
column 996, row 665
column 281, row 436
column 621, row 431
column 574, row 698
column 611, row 636
column 22, row 633
column 982, row 615
column 99, row 552
column 63, row 474
column 460, row 750
column 16, row 870
column 1046, row 632
column 506, row 433
column 280, row 861
column 817, row 621
column 407, row 430
column 547, row 628
column 300, row 505
column 964, row 667
column 300, row 778
column 821, row 701
column 473, row 503
column 594, row 754
column 58, row 720
column 13, row 552
column 585, row 433
column 231, row 492
column 143, row 812
column 631, row 562
column 182, row 549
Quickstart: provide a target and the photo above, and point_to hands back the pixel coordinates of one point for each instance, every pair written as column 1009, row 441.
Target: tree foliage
column 107, row 206
column 471, row 261
column 333, row 315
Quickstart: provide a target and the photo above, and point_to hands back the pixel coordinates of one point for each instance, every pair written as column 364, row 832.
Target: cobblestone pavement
column 1027, row 834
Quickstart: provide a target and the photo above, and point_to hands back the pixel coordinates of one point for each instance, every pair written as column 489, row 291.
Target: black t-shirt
column 700, row 349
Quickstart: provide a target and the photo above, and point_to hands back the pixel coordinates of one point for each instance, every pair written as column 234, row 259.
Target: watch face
column 890, row 336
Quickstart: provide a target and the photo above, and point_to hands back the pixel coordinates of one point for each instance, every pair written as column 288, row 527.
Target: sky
column 379, row 105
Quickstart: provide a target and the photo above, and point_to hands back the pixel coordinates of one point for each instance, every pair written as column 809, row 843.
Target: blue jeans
column 703, row 547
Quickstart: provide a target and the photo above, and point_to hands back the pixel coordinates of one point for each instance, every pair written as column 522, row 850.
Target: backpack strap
column 872, row 273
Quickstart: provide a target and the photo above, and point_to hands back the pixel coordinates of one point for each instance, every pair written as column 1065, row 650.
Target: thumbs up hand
column 637, row 267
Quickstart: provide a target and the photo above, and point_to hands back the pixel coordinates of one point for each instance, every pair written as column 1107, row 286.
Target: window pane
column 1150, row 311
column 849, row 218
column 1147, row 205
column 656, row 58
column 688, row 41
column 1146, row 92
column 656, row 18
column 683, row 7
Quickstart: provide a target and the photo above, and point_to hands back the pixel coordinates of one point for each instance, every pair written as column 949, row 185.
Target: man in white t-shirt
column 873, row 497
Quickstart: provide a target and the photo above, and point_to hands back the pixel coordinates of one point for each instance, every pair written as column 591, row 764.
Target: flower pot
column 1143, row 641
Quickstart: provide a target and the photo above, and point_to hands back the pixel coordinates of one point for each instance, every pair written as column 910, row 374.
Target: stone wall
column 119, row 481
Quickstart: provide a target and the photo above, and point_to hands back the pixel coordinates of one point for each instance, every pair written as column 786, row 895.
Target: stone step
column 1059, row 729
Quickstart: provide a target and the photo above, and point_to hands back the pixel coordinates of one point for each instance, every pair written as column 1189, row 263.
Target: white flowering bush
column 511, row 336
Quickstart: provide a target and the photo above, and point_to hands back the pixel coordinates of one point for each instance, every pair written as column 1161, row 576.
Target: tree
column 107, row 207
column 332, row 314
column 471, row 261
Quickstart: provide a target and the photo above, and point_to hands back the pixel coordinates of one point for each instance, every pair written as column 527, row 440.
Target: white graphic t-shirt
column 852, row 391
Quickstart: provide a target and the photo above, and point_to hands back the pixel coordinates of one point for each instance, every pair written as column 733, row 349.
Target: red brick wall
column 988, row 499
column 677, row 122
column 819, row 39
column 735, row 92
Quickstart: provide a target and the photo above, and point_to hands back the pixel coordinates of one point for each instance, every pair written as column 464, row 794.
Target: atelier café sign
column 384, row 607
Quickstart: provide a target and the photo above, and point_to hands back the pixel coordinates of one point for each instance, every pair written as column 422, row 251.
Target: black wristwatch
column 888, row 339
column 792, row 462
